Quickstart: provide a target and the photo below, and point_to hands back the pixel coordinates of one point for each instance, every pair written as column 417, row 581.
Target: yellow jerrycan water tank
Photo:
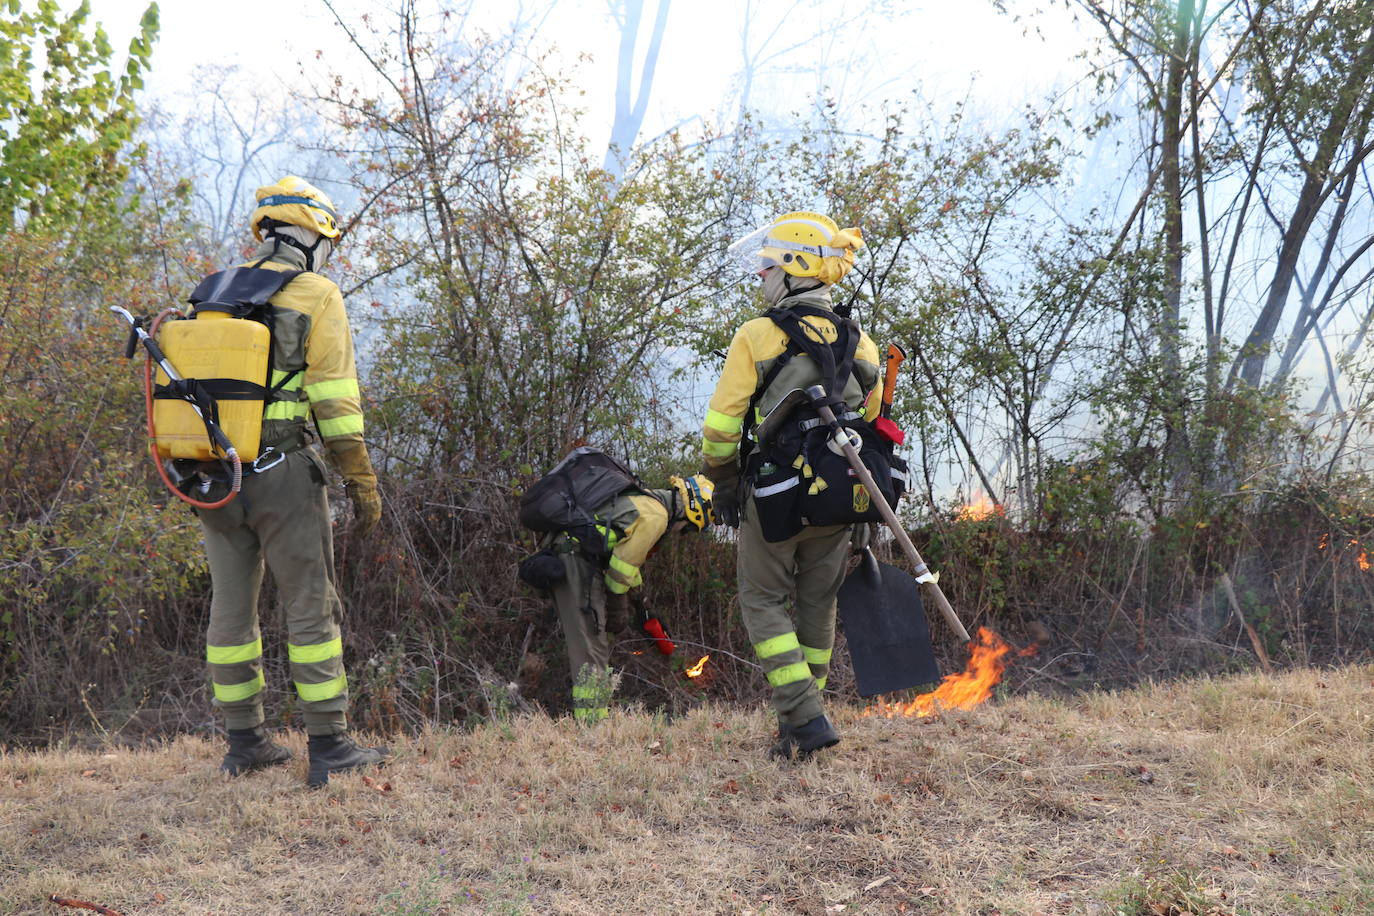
column 212, row 345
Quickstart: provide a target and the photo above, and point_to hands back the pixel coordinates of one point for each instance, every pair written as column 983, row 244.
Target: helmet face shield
column 746, row 255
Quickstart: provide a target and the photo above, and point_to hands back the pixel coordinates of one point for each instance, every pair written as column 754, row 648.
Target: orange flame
column 963, row 690
column 1363, row 560
column 979, row 509
column 695, row 670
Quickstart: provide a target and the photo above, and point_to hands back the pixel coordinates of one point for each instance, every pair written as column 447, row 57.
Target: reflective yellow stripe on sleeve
column 724, row 422
column 305, row 655
column 718, row 449
column 817, row 656
column 341, row 426
column 231, row 655
column 334, row 388
column 629, row 573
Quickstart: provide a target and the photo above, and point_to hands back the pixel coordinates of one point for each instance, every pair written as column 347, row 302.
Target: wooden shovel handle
column 930, row 587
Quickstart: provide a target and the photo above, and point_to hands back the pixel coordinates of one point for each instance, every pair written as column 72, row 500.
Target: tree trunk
column 1249, row 364
column 1168, row 325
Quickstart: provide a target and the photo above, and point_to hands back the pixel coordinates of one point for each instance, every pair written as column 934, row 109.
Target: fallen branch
column 1249, row 630
column 82, row 905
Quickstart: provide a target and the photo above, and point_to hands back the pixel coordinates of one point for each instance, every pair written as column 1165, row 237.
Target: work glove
column 617, row 612
column 725, row 498
column 725, row 506
column 360, row 483
column 367, row 507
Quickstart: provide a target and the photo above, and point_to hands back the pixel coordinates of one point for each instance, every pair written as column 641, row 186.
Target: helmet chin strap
column 791, row 291
column 308, row 250
column 778, row 285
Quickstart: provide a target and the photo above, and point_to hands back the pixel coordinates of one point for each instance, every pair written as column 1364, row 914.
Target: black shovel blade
column 885, row 627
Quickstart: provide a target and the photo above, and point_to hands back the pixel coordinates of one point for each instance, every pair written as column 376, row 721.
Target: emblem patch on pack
column 861, row 498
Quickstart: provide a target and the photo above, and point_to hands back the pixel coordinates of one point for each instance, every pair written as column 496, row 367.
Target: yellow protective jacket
column 753, row 351
column 643, row 516
column 310, row 333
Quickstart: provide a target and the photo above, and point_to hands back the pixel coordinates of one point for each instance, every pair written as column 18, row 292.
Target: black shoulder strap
column 836, row 361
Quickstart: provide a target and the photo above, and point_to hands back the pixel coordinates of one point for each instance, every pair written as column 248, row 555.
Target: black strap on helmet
column 270, row 227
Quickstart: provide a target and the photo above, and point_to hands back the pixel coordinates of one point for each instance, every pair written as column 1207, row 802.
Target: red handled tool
column 654, row 628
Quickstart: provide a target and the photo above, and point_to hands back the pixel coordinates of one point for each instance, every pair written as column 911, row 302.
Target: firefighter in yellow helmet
column 782, row 557
column 281, row 519
column 593, row 602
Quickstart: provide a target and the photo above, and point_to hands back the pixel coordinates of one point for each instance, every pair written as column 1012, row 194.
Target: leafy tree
column 63, row 127
column 1250, row 133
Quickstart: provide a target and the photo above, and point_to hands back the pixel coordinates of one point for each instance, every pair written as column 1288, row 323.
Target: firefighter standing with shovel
column 794, row 521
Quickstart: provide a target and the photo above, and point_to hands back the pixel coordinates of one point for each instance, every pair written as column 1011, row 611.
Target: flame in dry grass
column 964, row 690
column 698, row 668
column 979, row 509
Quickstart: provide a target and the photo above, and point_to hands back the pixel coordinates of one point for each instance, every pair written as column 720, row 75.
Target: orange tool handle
column 895, row 356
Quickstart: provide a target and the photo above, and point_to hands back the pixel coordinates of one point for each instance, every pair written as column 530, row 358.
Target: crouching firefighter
column 601, row 524
column 287, row 323
column 792, row 496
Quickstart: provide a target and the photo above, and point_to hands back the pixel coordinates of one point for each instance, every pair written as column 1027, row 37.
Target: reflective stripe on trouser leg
column 236, row 680
column 818, row 660
column 768, row 575
column 317, row 669
column 820, row 573
column 283, row 519
column 233, row 645
column 591, row 695
column 580, row 600
column 299, row 547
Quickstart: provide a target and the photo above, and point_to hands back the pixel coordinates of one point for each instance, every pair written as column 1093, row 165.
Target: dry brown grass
column 1247, row 795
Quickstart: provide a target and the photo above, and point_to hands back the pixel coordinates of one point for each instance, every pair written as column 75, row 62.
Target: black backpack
column 566, row 499
column 798, row 479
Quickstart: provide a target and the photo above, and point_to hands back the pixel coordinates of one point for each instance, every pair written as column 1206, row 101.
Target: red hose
column 152, row 433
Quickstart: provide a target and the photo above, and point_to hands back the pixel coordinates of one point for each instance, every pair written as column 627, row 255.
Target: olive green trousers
column 580, row 600
column 279, row 521
column 803, row 574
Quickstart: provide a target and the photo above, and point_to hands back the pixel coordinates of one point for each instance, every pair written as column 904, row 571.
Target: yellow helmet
column 296, row 201
column 694, row 496
column 803, row 244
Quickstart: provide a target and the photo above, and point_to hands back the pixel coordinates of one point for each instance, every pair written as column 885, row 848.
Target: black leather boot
column 799, row 741
column 251, row 749
column 336, row 753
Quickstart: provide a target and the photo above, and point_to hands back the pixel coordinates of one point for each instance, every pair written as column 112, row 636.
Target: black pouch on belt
column 542, row 570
